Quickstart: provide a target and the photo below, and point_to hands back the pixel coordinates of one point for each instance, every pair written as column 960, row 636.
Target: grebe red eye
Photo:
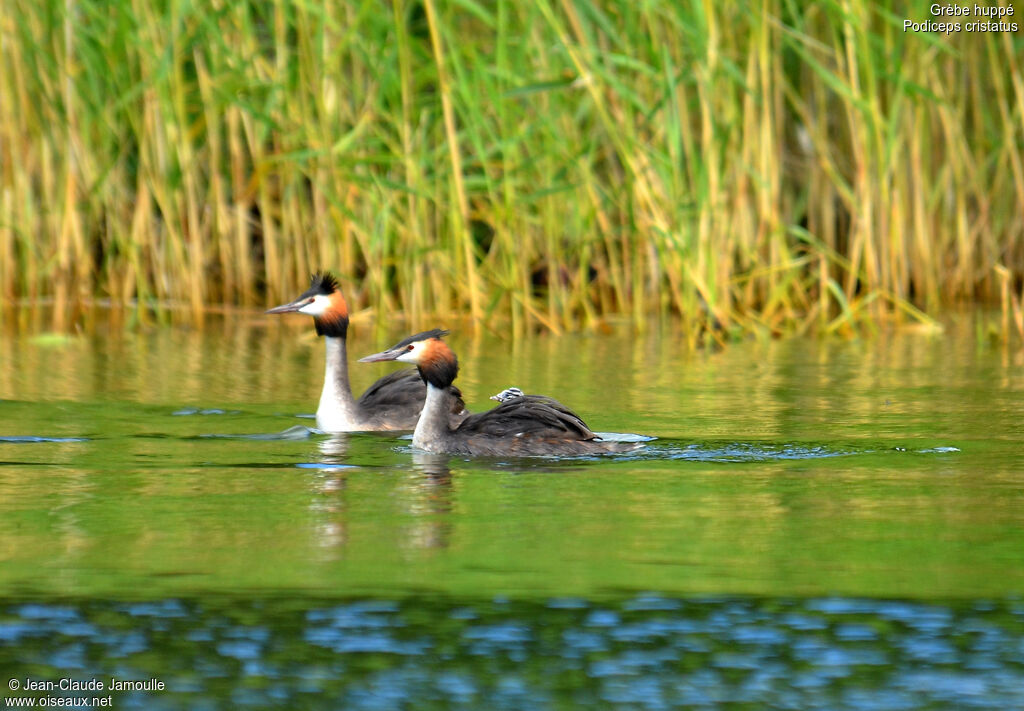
column 409, row 348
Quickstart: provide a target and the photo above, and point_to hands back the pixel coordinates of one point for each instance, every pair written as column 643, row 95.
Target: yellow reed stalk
column 461, row 223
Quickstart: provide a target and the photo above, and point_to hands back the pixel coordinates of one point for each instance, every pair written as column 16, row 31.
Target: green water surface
column 176, row 463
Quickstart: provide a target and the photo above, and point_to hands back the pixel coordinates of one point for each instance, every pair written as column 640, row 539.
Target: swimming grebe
column 524, row 425
column 392, row 403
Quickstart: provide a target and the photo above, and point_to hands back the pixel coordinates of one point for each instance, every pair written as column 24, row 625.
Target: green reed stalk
column 758, row 166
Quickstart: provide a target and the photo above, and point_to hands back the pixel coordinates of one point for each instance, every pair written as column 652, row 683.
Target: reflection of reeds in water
column 748, row 166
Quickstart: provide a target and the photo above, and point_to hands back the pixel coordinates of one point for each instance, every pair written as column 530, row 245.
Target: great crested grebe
column 392, row 403
column 526, row 425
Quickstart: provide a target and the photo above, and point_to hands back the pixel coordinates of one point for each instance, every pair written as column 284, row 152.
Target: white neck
column 337, row 410
column 432, row 426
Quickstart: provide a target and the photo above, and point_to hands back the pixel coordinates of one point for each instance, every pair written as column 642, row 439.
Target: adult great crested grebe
column 522, row 425
column 392, row 403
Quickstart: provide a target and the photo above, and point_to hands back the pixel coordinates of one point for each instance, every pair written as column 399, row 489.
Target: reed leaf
column 739, row 166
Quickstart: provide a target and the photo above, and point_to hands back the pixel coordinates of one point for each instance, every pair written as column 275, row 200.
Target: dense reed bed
column 746, row 166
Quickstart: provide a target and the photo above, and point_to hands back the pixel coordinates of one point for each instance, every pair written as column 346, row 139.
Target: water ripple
column 29, row 439
column 739, row 452
column 210, row 411
column 298, row 432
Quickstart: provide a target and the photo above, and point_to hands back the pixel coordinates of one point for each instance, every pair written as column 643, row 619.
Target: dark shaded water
column 818, row 525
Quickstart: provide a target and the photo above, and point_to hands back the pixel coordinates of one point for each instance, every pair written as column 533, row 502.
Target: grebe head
column 437, row 364
column 507, row 394
column 323, row 302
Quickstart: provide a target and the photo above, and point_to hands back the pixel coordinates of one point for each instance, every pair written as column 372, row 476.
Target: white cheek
column 318, row 307
column 407, row 357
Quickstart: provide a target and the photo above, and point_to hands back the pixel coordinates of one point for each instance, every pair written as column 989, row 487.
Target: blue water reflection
column 644, row 652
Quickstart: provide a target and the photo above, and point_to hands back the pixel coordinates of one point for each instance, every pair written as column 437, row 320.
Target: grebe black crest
column 520, row 425
column 392, row 403
column 324, row 302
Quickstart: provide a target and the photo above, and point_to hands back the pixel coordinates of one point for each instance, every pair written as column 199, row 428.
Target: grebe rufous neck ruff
column 521, row 425
column 392, row 403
